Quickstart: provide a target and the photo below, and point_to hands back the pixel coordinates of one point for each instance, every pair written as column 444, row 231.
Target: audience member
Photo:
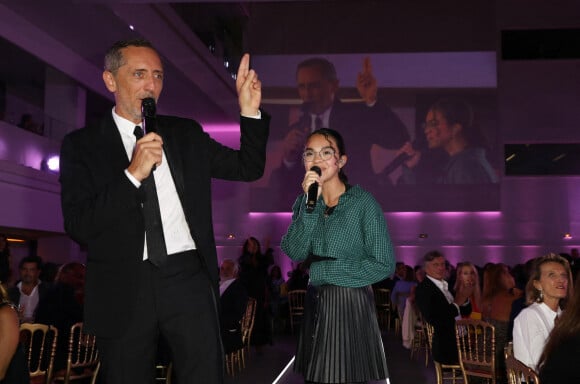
column 440, row 309
column 466, row 274
column 559, row 360
column 30, row 290
column 63, row 306
column 13, row 365
column 521, row 276
column 499, row 292
column 449, row 126
column 548, row 288
column 419, row 273
column 49, row 272
column 389, row 282
column 254, row 276
column 298, row 278
column 402, row 290
column 233, row 302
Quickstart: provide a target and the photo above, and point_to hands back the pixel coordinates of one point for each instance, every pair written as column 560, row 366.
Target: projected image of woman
column 449, row 126
column 345, row 238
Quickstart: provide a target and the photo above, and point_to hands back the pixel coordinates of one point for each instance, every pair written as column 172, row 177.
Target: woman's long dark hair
column 337, row 137
column 567, row 326
column 457, row 111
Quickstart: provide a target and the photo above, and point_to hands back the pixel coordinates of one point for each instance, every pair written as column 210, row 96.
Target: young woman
column 346, row 239
column 546, row 292
column 467, row 275
column 499, row 292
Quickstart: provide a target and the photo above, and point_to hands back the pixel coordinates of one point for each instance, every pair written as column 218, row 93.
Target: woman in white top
column 549, row 286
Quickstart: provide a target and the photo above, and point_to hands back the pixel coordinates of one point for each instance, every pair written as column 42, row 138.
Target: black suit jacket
column 102, row 208
column 43, row 291
column 232, row 307
column 441, row 315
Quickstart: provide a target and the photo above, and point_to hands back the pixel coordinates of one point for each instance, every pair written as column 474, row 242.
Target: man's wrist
column 255, row 115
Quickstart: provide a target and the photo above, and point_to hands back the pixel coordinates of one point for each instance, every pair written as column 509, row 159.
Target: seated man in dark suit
column 440, row 309
column 233, row 301
column 29, row 292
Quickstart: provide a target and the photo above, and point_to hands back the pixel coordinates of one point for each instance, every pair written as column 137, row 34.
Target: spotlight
column 51, row 164
column 567, row 236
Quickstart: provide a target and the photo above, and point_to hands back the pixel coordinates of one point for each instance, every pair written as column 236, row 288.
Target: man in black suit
column 367, row 127
column 440, row 308
column 30, row 291
column 233, row 302
column 130, row 298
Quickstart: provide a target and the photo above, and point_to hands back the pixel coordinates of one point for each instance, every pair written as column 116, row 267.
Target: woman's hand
column 309, row 178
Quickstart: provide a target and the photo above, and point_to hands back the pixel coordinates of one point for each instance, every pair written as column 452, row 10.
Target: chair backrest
column 39, row 343
column 382, row 298
column 296, row 301
column 83, row 356
column 429, row 330
column 519, row 373
column 508, row 349
column 476, row 347
column 247, row 322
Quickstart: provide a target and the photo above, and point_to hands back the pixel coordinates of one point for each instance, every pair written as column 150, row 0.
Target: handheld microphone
column 312, row 191
column 396, row 163
column 149, row 113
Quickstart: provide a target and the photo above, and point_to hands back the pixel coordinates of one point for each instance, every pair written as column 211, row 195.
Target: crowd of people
column 524, row 303
column 58, row 303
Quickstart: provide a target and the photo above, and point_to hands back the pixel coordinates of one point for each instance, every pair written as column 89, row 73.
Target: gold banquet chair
column 476, row 347
column 444, row 372
column 82, row 359
column 519, row 373
column 39, row 343
column 296, row 304
column 420, row 339
column 383, row 305
column 162, row 373
column 247, row 325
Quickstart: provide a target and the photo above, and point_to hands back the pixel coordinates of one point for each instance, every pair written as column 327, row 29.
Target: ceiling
column 196, row 37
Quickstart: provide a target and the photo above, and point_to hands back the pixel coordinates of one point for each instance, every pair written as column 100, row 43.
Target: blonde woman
column 467, row 275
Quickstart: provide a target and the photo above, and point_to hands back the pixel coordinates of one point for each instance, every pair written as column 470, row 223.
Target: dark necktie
column 317, row 122
column 156, row 249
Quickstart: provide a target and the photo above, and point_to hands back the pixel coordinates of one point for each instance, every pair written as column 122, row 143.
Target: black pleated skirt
column 340, row 340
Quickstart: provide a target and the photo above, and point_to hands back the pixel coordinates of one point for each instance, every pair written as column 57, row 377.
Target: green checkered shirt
column 355, row 234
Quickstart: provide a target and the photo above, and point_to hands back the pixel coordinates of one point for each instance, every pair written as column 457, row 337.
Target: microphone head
column 316, row 169
column 148, row 107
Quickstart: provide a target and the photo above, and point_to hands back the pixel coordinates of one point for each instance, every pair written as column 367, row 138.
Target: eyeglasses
column 325, row 154
column 434, row 123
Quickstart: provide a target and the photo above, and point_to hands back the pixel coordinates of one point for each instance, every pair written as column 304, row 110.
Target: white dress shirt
column 225, row 284
column 175, row 228
column 28, row 303
column 531, row 330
